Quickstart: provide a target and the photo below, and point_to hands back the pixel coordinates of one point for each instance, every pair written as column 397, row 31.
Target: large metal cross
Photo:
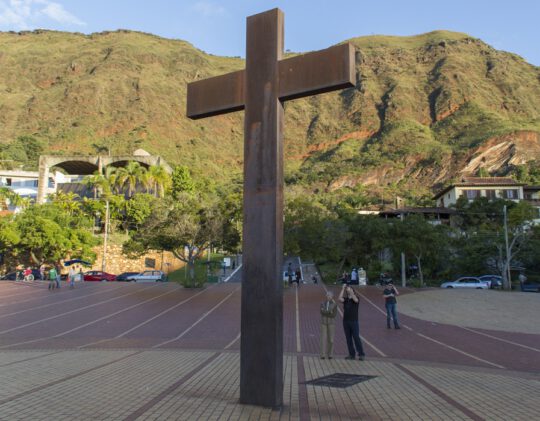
column 261, row 89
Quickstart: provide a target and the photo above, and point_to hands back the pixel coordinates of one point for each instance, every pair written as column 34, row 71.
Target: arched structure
column 86, row 165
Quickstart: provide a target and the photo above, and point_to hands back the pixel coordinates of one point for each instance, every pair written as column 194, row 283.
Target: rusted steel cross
column 261, row 89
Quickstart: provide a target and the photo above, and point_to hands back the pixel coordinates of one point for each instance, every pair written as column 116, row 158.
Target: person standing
column 390, row 293
column 328, row 316
column 354, row 277
column 58, row 276
column 350, row 322
column 290, row 273
column 71, row 276
column 298, row 276
column 52, row 278
column 42, row 272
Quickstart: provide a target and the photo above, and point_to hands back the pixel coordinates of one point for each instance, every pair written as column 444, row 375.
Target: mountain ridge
column 427, row 99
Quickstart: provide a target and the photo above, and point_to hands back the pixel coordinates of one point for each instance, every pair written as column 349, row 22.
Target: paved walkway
column 484, row 309
column 153, row 352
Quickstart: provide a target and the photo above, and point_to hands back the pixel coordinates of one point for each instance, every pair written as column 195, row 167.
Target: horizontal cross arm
column 216, row 95
column 317, row 72
column 300, row 76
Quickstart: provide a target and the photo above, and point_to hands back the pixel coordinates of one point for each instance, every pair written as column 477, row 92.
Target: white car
column 467, row 282
column 148, row 276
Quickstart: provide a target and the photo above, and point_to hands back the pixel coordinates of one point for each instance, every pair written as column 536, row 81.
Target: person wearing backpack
column 328, row 317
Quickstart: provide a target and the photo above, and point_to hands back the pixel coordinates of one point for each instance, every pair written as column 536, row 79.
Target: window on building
column 471, row 194
column 511, row 194
column 35, row 183
column 491, row 194
column 8, row 181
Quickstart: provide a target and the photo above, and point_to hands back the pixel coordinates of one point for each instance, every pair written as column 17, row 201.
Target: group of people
column 52, row 274
column 350, row 300
column 356, row 277
column 294, row 275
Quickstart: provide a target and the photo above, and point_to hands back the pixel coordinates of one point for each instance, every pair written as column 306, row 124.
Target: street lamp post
column 105, row 237
column 508, row 275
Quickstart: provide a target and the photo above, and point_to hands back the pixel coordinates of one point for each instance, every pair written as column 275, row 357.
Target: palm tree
column 111, row 177
column 160, row 179
column 130, row 175
column 9, row 197
column 100, row 183
column 70, row 202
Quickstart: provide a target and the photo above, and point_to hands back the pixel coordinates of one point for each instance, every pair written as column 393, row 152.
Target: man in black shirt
column 350, row 322
column 390, row 292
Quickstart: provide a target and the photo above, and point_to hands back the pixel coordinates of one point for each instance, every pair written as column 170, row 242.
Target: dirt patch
column 493, row 310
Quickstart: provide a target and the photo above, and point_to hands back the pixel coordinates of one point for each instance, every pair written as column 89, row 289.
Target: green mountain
column 425, row 108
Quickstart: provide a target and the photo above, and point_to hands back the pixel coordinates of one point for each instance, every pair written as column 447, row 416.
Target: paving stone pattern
column 430, row 371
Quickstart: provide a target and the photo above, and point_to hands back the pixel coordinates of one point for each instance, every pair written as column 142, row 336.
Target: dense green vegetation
column 425, row 109
column 337, row 239
column 176, row 213
column 421, row 108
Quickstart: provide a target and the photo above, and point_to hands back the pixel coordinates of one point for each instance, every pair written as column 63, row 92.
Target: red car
column 97, row 275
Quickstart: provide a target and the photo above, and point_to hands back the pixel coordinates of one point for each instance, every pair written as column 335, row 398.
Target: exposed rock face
column 498, row 153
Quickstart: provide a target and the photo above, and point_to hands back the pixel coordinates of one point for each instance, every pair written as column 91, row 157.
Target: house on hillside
column 25, row 183
column 474, row 187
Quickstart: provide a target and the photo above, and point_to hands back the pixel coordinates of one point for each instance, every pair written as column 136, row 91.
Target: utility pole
column 508, row 275
column 105, row 237
column 403, row 273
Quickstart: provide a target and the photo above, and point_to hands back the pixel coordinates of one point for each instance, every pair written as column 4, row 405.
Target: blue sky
column 218, row 27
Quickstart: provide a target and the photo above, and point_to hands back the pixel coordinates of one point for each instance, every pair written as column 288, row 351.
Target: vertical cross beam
column 266, row 82
column 261, row 361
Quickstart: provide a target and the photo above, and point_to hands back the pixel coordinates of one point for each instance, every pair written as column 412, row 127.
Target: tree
column 130, row 175
column 9, row 197
column 185, row 227
column 158, row 179
column 25, row 149
column 9, row 237
column 519, row 233
column 137, row 209
column 481, row 242
column 68, row 202
column 182, row 181
column 49, row 233
column 420, row 240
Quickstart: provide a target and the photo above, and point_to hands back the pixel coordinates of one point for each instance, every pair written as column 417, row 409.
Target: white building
column 25, row 183
column 474, row 187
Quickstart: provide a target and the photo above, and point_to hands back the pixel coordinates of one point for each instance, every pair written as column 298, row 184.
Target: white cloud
column 25, row 14
column 56, row 11
column 209, row 9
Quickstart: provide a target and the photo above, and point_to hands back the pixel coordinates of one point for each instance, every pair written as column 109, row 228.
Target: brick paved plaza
column 151, row 352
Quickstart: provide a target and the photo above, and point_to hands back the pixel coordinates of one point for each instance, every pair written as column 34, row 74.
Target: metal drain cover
column 341, row 380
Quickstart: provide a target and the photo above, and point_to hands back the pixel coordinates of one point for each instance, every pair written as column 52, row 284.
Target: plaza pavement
column 153, row 352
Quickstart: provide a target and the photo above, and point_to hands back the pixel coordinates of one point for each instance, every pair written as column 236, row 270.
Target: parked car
column 124, row 277
column 97, row 275
column 149, row 276
column 11, row 276
column 530, row 286
column 467, row 282
column 495, row 281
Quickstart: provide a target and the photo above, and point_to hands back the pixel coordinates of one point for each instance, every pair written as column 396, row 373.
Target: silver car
column 148, row 276
column 467, row 282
